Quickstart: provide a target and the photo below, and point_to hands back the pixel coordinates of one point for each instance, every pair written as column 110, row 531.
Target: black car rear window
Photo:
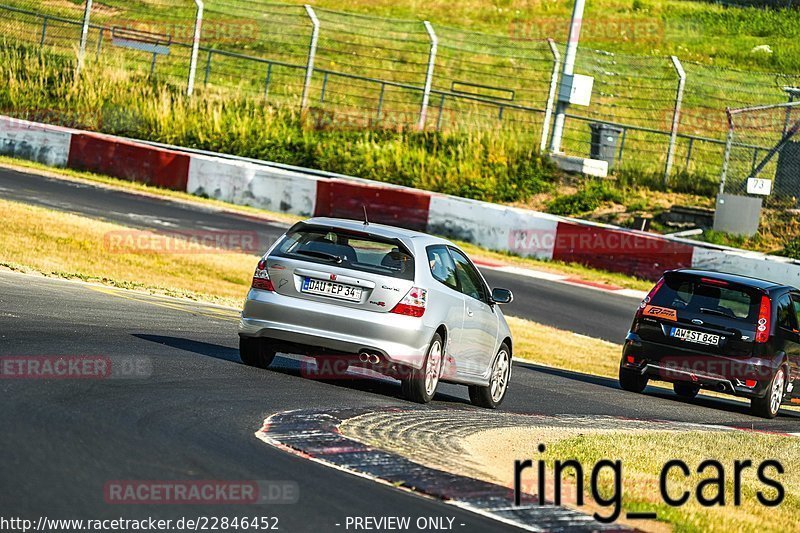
column 358, row 251
column 708, row 296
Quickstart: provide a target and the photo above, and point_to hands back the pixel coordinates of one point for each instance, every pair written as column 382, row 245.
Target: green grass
column 644, row 455
column 635, row 86
column 488, row 165
column 591, row 195
column 697, row 31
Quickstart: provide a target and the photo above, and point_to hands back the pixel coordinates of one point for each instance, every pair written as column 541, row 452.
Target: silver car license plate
column 697, row 337
column 331, row 289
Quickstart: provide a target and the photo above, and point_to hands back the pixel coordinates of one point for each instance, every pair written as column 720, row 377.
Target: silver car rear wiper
column 321, row 255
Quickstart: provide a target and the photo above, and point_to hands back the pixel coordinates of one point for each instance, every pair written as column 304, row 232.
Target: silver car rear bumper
column 400, row 339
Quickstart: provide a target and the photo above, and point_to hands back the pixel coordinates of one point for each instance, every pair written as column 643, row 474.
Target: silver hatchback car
column 399, row 302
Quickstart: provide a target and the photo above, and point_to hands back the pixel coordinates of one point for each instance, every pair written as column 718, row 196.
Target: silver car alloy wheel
column 500, row 374
column 776, row 394
column 433, row 367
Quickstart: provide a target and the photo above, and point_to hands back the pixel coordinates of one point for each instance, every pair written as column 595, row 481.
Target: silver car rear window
column 361, row 251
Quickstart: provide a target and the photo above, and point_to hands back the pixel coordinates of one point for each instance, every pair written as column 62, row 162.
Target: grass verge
column 644, row 455
column 69, row 246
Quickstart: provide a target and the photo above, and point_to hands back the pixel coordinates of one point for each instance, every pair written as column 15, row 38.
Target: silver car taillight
column 261, row 277
column 413, row 303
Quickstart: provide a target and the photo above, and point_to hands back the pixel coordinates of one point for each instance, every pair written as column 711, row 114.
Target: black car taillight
column 649, row 297
column 261, row 277
column 764, row 320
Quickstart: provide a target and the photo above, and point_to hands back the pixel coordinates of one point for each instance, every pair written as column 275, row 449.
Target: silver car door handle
column 469, row 312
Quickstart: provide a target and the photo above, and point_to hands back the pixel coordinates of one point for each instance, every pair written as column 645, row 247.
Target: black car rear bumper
column 730, row 375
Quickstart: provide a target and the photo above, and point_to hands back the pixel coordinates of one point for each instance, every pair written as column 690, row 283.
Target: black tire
column 415, row 386
column 500, row 377
column 685, row 390
column 256, row 352
column 632, row 380
column 770, row 404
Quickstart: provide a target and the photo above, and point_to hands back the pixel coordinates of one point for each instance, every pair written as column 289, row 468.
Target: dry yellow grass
column 554, row 347
column 71, row 246
column 643, row 454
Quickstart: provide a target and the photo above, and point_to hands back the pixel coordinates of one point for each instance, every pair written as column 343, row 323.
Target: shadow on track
column 292, row 367
column 719, row 404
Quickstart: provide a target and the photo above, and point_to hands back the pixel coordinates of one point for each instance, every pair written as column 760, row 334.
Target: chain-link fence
column 763, row 143
column 356, row 71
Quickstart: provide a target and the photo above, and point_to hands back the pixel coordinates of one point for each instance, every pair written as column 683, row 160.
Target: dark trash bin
column 605, row 138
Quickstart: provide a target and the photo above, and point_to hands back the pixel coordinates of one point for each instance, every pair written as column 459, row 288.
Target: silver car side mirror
column 502, row 296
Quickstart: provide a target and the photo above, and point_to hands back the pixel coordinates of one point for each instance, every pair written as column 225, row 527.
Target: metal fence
column 763, row 142
column 356, row 71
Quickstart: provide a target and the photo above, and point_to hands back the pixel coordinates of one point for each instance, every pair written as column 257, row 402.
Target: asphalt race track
column 194, row 415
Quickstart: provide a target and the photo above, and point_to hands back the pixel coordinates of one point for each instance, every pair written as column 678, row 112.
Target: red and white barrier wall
column 49, row 145
column 492, row 226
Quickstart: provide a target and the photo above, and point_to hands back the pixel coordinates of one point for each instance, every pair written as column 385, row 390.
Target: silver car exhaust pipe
column 371, row 358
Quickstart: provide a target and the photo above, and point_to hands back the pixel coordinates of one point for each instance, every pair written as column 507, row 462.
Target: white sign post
column 759, row 186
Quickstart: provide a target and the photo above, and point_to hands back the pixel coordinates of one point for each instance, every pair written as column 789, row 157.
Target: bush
column 589, row 197
column 792, row 249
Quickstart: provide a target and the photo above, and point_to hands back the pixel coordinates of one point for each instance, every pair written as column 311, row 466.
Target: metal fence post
column 87, row 13
column 551, row 97
column 208, row 68
column 268, row 80
column 324, row 88
column 44, row 31
column 100, row 38
column 380, row 101
column 312, row 53
column 441, row 111
column 426, row 95
column 727, row 157
column 198, row 28
column 676, row 117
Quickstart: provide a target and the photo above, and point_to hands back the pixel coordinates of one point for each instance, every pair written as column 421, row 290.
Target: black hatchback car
column 722, row 332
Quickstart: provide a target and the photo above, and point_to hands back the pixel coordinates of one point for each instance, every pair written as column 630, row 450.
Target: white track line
column 560, row 278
